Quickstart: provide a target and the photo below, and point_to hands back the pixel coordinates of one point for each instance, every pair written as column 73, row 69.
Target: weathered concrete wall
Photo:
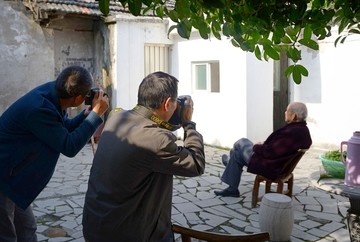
column 26, row 53
column 32, row 54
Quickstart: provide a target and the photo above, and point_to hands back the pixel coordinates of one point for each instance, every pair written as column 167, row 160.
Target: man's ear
column 167, row 103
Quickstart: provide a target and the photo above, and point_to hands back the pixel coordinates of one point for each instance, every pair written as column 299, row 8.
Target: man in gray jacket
column 130, row 186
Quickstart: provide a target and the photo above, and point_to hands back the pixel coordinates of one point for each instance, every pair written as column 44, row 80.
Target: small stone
column 55, row 232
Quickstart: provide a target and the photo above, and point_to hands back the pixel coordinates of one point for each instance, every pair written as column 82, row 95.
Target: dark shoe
column 225, row 159
column 227, row 193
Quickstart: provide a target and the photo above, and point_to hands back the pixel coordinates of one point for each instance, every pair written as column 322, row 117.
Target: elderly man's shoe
column 225, row 159
column 227, row 193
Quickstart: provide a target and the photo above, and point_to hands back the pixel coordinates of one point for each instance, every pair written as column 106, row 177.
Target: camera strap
column 148, row 114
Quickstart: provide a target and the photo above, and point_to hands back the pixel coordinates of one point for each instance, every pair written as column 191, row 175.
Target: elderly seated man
column 266, row 158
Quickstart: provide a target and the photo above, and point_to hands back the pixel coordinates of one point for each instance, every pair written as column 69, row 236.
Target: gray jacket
column 130, row 186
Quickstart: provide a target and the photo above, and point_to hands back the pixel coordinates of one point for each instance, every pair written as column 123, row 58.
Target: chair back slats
column 188, row 233
column 292, row 163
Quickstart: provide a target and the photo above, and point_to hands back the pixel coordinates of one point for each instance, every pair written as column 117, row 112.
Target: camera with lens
column 90, row 97
column 176, row 117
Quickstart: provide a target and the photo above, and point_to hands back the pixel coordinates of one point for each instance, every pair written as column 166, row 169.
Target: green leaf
column 183, row 8
column 172, row 27
column 258, row 53
column 226, row 30
column 337, row 40
column 160, row 12
column 294, row 54
column 307, row 32
column 286, row 40
column 135, row 7
column 302, row 70
column 183, row 30
column 298, row 72
column 147, row 2
column 271, row 52
column 296, row 75
column 289, row 70
column 292, row 33
column 343, row 40
column 235, row 43
column 104, row 6
column 343, row 25
column 354, row 31
column 203, row 29
column 309, row 43
column 173, row 16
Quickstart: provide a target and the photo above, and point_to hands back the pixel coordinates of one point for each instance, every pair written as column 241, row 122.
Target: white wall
column 259, row 98
column 244, row 105
column 332, row 91
column 233, row 113
column 131, row 34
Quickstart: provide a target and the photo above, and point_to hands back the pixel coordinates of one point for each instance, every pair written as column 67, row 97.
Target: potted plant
column 332, row 164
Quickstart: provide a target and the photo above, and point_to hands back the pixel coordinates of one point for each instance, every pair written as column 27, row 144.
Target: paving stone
column 205, row 195
column 341, row 235
column 211, row 219
column 331, row 227
column 325, row 216
column 228, row 211
column 192, row 218
column 231, row 230
column 316, row 208
column 187, row 207
column 209, row 202
column 319, row 215
column 309, row 224
column 190, row 183
column 318, row 232
column 307, row 200
column 239, row 223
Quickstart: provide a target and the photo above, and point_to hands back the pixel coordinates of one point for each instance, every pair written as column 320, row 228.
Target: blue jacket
column 33, row 132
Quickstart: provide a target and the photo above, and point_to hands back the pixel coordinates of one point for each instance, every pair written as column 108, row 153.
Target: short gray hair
column 299, row 109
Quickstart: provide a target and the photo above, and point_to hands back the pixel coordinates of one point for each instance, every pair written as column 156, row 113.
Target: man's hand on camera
column 188, row 110
column 100, row 103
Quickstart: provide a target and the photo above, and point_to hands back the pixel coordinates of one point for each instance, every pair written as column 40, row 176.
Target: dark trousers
column 16, row 224
column 240, row 156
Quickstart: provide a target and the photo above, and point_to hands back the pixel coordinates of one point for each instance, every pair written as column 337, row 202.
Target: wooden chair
column 287, row 178
column 188, row 233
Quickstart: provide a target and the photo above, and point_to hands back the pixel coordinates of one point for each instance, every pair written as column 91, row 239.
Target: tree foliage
column 263, row 27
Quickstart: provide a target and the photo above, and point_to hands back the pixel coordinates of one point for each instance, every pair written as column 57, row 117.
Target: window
column 206, row 76
column 156, row 58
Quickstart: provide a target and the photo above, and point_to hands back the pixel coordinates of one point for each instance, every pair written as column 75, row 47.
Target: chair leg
column 290, row 185
column 255, row 192
column 185, row 238
column 268, row 186
column 280, row 187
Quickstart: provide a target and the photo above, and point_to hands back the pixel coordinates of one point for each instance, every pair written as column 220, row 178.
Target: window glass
column 201, row 78
column 206, row 76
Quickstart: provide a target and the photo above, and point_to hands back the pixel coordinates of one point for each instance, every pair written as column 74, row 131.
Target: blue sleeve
column 72, row 123
column 48, row 126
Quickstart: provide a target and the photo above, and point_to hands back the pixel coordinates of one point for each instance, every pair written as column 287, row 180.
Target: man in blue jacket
column 34, row 130
column 268, row 158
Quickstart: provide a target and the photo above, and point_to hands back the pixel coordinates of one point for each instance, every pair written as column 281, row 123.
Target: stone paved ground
column 319, row 215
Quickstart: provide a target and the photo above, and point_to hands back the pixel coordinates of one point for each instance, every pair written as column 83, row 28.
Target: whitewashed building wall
column 242, row 107
column 332, row 90
column 132, row 35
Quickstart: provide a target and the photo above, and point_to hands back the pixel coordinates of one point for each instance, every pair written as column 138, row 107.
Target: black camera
column 176, row 117
column 90, row 97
